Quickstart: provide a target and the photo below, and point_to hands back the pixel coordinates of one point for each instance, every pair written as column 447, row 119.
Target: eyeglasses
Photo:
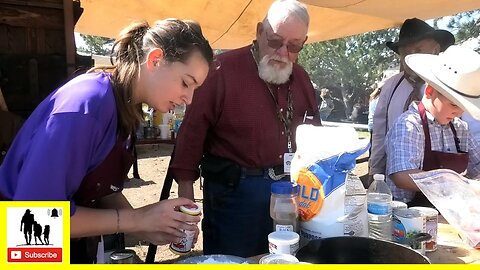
column 278, row 43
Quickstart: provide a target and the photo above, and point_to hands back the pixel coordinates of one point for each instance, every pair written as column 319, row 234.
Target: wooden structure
column 37, row 50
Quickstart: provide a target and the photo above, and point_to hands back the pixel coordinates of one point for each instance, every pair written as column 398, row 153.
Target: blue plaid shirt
column 405, row 146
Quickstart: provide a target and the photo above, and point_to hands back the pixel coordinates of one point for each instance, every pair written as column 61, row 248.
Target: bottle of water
column 379, row 205
column 284, row 207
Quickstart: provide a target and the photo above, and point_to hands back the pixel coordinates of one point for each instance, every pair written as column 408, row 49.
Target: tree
column 353, row 63
column 465, row 25
column 96, row 45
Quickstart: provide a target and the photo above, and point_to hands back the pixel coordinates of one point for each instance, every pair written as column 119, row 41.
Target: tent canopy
column 231, row 23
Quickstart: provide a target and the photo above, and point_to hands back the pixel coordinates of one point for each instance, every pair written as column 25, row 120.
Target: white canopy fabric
column 231, row 23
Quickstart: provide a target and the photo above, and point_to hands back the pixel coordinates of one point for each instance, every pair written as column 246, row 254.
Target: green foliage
column 95, row 45
column 465, row 25
column 353, row 63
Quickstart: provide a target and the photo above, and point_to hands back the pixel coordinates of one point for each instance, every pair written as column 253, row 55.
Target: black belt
column 262, row 171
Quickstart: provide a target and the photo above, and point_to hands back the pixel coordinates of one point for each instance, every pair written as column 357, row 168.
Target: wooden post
column 69, row 37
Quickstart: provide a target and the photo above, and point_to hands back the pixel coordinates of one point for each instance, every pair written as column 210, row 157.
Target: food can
column 283, row 242
column 407, row 223
column 124, row 256
column 431, row 221
column 278, row 259
column 398, row 205
column 185, row 245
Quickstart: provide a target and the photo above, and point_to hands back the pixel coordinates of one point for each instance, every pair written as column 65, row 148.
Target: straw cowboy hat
column 454, row 73
column 415, row 29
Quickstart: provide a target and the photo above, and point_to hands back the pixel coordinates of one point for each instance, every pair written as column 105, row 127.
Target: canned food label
column 407, row 224
column 184, row 245
column 432, row 229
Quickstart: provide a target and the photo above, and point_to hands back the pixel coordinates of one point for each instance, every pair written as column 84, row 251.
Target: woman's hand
column 161, row 223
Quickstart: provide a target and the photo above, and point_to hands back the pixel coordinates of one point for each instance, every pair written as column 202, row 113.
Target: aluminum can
column 431, row 224
column 407, row 223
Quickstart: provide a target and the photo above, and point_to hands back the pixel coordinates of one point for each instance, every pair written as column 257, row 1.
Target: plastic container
column 185, row 245
column 283, row 242
column 284, row 207
column 379, row 207
column 355, row 220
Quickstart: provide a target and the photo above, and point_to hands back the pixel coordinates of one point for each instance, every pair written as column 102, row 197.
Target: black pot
column 357, row 250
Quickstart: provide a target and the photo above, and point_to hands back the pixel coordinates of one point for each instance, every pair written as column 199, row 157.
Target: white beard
column 273, row 74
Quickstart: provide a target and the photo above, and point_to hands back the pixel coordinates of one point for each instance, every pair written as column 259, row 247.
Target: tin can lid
column 407, row 213
column 191, row 209
column 278, row 259
column 427, row 211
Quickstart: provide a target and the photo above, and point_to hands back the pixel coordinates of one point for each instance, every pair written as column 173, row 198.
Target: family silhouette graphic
column 28, row 225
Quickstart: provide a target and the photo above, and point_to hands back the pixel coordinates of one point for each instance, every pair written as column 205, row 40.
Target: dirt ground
column 152, row 163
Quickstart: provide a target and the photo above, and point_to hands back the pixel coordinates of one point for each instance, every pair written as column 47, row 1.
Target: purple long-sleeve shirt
column 66, row 137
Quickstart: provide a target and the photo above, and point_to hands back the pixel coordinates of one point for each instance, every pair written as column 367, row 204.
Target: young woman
column 77, row 146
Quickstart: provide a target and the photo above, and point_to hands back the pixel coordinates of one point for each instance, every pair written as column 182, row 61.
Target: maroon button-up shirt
column 233, row 115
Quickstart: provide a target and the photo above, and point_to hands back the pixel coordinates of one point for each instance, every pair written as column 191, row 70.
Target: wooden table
column 450, row 248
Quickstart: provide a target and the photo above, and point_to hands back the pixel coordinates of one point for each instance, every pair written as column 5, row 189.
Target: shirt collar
column 431, row 120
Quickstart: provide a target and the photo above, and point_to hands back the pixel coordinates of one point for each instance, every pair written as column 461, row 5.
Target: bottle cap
column 191, row 209
column 284, row 187
column 380, row 177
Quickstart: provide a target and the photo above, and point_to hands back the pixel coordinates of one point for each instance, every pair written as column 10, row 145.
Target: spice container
column 185, row 245
column 283, row 242
column 284, row 207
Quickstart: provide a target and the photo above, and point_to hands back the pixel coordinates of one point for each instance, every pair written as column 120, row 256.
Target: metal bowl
column 215, row 259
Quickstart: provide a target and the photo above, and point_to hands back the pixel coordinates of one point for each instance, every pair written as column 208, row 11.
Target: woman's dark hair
column 178, row 39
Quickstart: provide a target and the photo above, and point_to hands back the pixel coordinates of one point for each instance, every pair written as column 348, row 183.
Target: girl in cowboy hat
column 430, row 135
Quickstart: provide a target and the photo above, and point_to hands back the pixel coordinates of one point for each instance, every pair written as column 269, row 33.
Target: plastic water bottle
column 284, row 207
column 379, row 205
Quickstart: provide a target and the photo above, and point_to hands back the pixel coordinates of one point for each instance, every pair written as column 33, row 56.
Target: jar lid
column 284, row 187
column 191, row 209
column 284, row 237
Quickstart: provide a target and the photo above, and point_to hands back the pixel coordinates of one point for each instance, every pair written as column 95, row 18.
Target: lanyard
column 287, row 118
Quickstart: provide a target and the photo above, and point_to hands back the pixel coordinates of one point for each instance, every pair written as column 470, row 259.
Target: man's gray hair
column 285, row 8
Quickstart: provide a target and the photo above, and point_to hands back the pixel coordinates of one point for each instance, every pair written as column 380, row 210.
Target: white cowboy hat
column 454, row 73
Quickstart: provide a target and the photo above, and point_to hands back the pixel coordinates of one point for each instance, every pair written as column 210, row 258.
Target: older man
column 416, row 36
column 241, row 130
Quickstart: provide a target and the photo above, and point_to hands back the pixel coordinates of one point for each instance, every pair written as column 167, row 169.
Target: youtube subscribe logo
column 25, row 255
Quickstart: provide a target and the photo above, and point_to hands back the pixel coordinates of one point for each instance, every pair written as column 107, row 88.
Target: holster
column 221, row 170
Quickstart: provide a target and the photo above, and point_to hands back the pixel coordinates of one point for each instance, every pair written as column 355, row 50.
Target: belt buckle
column 274, row 176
